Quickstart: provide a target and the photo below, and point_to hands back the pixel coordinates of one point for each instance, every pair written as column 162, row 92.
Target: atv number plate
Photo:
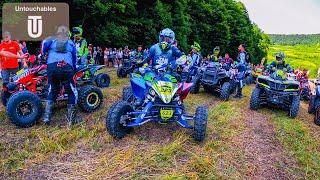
column 166, row 113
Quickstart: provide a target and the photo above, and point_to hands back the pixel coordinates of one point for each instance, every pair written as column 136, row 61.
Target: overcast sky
column 285, row 16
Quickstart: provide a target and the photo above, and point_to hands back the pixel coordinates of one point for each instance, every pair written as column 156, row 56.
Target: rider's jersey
column 50, row 46
column 81, row 46
column 196, row 59
column 243, row 57
column 274, row 64
column 161, row 57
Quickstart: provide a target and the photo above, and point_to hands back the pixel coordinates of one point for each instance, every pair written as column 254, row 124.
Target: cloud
column 285, row 16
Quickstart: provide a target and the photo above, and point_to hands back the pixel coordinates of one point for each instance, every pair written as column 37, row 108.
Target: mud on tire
column 113, row 118
column 295, row 106
column 311, row 107
column 225, row 91
column 317, row 112
column 200, row 123
column 255, row 99
column 90, row 98
column 102, row 80
column 24, row 109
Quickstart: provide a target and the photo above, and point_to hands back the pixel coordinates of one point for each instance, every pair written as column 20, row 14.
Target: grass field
column 240, row 144
column 304, row 56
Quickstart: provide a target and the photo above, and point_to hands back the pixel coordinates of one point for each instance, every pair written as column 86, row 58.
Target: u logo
column 34, row 26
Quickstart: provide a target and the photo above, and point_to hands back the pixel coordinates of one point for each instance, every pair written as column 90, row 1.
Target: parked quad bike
column 304, row 89
column 86, row 74
column 314, row 102
column 213, row 78
column 157, row 97
column 276, row 90
column 128, row 66
column 24, row 107
column 185, row 69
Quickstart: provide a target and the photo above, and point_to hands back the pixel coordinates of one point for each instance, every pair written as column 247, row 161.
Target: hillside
column 304, row 56
column 280, row 39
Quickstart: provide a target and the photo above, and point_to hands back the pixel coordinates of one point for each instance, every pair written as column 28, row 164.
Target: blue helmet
column 167, row 33
column 166, row 39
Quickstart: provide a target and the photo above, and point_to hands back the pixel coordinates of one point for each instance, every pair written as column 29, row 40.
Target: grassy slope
column 304, row 56
column 164, row 151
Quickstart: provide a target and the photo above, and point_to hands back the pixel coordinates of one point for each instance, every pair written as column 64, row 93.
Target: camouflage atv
column 276, row 90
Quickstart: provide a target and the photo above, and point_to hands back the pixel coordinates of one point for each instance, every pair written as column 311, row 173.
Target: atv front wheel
column 255, row 99
column 311, row 106
column 121, row 73
column 127, row 94
column 90, row 98
column 103, row 80
column 195, row 85
column 116, row 117
column 294, row 108
column 225, row 91
column 200, row 123
column 24, row 109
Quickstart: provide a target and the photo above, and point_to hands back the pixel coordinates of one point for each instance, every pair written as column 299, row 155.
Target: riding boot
column 72, row 117
column 48, row 112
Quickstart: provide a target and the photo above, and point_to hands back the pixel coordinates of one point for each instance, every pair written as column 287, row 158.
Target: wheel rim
column 93, row 99
column 25, row 109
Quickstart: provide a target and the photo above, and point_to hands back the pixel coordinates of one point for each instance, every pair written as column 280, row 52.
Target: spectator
column 105, row 56
column 114, row 52
column 110, row 57
column 119, row 57
column 24, row 47
column 95, row 54
column 9, row 65
column 100, row 56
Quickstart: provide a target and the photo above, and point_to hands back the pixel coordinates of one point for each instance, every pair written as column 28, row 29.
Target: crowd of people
column 113, row 57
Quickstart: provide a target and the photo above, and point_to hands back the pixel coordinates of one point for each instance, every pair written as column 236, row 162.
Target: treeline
column 223, row 23
column 294, row 39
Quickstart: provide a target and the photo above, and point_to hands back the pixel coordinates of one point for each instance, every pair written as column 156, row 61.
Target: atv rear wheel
column 121, row 73
column 225, row 91
column 200, row 123
column 255, row 99
column 311, row 106
column 90, row 98
column 294, row 108
column 114, row 119
column 102, row 80
column 127, row 94
column 24, row 109
column 195, row 86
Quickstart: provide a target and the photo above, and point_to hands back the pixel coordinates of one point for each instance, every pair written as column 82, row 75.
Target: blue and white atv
column 155, row 96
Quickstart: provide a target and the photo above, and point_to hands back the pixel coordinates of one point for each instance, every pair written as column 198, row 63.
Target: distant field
column 304, row 56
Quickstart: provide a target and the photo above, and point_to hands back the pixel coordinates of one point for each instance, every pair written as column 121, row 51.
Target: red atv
column 30, row 86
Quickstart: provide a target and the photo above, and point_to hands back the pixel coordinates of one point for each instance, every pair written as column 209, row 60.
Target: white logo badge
column 34, row 26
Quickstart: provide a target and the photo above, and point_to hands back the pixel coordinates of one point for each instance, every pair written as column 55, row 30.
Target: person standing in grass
column 9, row 65
column 242, row 60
